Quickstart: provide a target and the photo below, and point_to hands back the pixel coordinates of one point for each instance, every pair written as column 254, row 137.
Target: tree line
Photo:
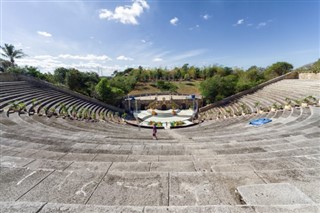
column 217, row 82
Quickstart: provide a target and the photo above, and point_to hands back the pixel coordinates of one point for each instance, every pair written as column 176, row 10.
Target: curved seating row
column 274, row 95
column 62, row 165
column 46, row 101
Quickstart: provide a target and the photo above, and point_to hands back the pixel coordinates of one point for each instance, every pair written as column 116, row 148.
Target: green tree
column 277, row 69
column 34, row 72
column 60, row 75
column 11, row 53
column 107, row 93
column 217, row 87
column 210, row 88
column 103, row 90
column 16, row 70
column 4, row 65
column 192, row 72
column 186, row 77
column 125, row 83
column 73, row 80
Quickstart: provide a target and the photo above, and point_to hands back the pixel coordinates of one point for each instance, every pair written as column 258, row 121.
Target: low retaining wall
column 16, row 77
column 8, row 77
column 309, row 76
column 291, row 75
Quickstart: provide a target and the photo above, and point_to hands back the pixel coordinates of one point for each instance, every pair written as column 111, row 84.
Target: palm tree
column 10, row 52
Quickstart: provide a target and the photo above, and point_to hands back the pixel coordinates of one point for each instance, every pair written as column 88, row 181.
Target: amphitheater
column 59, row 164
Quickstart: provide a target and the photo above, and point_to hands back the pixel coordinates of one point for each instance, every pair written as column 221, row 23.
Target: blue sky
column 112, row 35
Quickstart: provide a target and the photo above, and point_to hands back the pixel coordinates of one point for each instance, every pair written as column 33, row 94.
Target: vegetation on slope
column 313, row 68
column 212, row 82
column 181, row 87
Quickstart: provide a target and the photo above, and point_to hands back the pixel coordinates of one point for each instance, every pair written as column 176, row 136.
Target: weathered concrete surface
column 192, row 189
column 17, row 181
column 130, row 166
column 273, row 194
column 176, row 158
column 20, row 207
column 232, row 168
column 306, row 180
column 288, row 209
column 110, row 158
column 134, row 189
column 48, row 155
column 175, row 166
column 13, row 162
column 72, row 208
column 48, row 164
column 78, row 157
column 65, row 187
column 142, row 158
column 200, row 209
column 89, row 166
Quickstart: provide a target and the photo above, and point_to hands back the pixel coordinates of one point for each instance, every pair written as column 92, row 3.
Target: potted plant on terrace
column 173, row 111
column 93, row 116
column 310, row 100
column 51, row 112
column 297, row 103
column 275, row 107
column 79, row 115
column 14, row 107
column 43, row 111
column 63, row 110
column 305, row 102
column 33, row 104
column 101, row 116
column 244, row 109
column 288, row 104
column 22, row 108
column 257, row 106
column 124, row 116
column 153, row 112
column 73, row 112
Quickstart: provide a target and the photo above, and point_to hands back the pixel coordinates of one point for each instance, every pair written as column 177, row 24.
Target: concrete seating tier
column 48, row 101
column 226, row 165
column 265, row 98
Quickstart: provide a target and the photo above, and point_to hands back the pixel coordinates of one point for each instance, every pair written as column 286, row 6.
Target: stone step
column 42, row 207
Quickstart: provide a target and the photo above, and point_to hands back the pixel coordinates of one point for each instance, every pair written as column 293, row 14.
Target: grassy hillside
column 184, row 87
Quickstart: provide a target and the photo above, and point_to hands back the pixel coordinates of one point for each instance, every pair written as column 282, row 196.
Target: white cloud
column 157, row 59
column 47, row 63
column 143, row 41
column 241, row 21
column 44, row 57
column 195, row 27
column 89, row 57
column 125, row 14
column 206, row 17
column 45, row 34
column 174, row 21
column 123, row 58
column 188, row 54
column 261, row 24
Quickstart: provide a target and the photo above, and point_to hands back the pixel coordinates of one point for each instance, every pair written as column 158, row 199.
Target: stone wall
column 8, row 77
column 309, row 76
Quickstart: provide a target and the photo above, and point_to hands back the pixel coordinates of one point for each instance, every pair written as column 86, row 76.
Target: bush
column 166, row 86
